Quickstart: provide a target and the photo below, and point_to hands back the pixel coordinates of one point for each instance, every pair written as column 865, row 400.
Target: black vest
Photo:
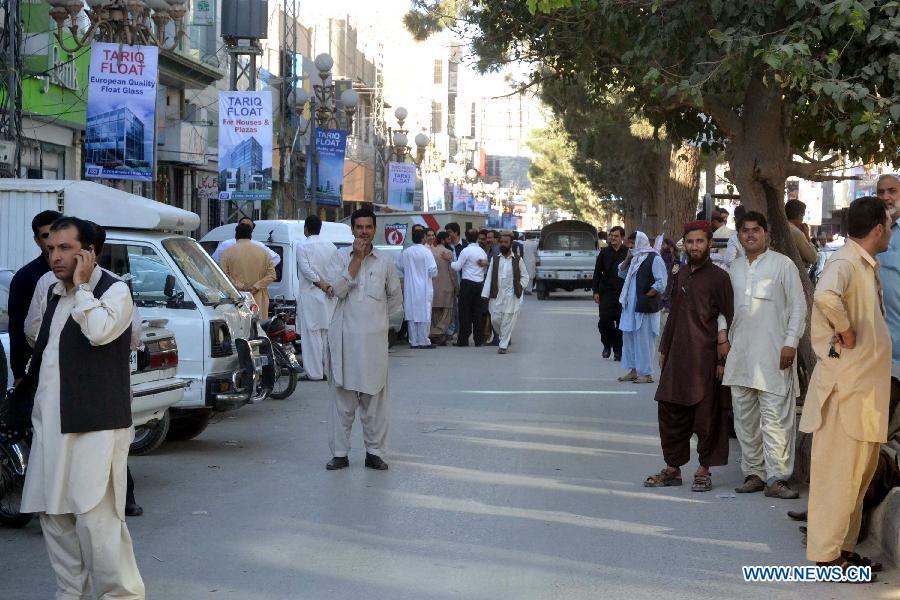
column 94, row 381
column 644, row 280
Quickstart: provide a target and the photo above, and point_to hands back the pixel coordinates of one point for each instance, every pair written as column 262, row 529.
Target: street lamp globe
column 324, row 62
column 349, row 98
column 400, row 139
column 401, row 113
column 422, row 140
column 472, row 174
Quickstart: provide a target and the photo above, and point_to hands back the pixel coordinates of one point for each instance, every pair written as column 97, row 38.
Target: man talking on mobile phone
column 82, row 421
column 367, row 287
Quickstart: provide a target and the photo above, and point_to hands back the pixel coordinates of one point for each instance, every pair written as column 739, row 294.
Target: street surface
column 514, row 476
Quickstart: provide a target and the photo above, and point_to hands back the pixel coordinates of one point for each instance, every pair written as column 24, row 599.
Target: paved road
column 514, row 476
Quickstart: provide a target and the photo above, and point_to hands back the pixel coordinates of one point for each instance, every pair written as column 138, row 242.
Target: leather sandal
column 702, row 483
column 664, row 478
column 862, row 561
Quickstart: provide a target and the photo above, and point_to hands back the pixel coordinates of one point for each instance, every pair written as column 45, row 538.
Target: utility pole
column 11, row 87
column 244, row 23
column 286, row 137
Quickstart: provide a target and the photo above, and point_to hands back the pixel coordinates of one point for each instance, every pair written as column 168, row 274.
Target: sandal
column 664, row 478
column 702, row 483
column 628, row 377
column 845, row 564
column 861, row 561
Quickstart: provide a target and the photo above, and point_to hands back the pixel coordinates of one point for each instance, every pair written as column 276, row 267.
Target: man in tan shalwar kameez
column 445, row 290
column 250, row 268
column 849, row 393
column 368, row 290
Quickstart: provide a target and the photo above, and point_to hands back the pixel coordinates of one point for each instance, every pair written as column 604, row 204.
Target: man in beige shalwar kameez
column 445, row 290
column 368, row 290
column 82, row 424
column 250, row 268
column 849, row 393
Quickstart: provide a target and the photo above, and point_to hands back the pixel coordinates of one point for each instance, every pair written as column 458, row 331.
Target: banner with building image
column 245, row 145
column 121, row 112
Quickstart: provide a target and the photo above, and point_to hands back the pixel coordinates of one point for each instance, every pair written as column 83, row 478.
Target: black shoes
column 461, row 344
column 618, row 357
column 338, row 462
column 132, row 509
column 375, row 462
column 606, row 352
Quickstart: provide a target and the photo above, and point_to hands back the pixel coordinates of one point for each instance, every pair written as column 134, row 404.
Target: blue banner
column 331, row 147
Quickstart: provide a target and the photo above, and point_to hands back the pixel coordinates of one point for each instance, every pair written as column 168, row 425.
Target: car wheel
column 188, row 425
column 148, row 438
column 542, row 293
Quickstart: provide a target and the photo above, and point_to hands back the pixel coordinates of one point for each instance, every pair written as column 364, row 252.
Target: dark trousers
column 129, row 494
column 608, row 324
column 471, row 319
column 678, row 423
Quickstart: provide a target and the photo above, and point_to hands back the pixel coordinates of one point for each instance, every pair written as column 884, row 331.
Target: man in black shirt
column 21, row 289
column 607, row 286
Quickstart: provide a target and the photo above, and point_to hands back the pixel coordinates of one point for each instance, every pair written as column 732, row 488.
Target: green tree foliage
column 557, row 184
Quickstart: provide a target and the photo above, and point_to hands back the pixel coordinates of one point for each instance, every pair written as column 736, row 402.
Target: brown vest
column 517, row 274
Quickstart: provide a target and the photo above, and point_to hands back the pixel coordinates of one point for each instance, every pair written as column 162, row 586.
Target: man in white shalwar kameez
column 368, row 290
column 769, row 318
column 506, row 279
column 315, row 258
column 76, row 482
column 419, row 268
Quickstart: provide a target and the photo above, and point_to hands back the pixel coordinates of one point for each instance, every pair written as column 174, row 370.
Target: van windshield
column 205, row 277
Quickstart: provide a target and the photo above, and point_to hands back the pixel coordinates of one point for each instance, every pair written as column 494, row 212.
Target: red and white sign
column 395, row 233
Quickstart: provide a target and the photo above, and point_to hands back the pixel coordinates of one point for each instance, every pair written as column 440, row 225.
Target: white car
column 154, row 386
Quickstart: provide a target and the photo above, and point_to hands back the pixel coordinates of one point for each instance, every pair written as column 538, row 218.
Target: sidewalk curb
column 884, row 526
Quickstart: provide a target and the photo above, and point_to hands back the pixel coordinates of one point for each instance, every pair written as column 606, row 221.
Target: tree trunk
column 679, row 184
column 760, row 157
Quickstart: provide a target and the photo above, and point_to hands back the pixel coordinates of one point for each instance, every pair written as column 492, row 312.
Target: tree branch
column 726, row 118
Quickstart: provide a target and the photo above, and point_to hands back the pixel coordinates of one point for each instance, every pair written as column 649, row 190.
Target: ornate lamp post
column 141, row 22
column 324, row 108
column 400, row 140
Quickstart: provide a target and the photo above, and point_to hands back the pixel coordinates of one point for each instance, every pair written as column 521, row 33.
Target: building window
column 437, row 118
column 438, row 72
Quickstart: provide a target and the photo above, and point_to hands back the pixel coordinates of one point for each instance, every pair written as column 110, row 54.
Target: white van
column 226, row 364
column 283, row 237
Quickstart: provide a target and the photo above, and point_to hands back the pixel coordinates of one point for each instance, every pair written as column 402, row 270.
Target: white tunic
column 506, row 301
column 358, row 333
column 419, row 268
column 769, row 314
column 69, row 473
column 315, row 259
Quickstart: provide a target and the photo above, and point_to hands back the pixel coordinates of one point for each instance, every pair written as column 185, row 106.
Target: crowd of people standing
column 728, row 356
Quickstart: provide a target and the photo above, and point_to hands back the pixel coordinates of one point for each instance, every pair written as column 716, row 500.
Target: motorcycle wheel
column 285, row 384
column 11, row 484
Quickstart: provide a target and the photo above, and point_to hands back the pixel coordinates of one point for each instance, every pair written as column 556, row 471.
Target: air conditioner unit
column 7, row 152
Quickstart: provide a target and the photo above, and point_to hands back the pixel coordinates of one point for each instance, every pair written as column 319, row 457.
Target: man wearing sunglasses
column 21, row 289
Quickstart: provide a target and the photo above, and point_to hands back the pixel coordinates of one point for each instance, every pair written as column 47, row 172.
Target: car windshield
column 570, row 240
column 205, row 277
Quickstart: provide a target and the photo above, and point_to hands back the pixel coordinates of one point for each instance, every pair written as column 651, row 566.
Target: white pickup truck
column 566, row 256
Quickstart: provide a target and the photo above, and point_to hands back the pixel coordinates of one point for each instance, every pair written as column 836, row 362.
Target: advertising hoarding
column 401, row 185
column 331, row 148
column 245, row 145
column 121, row 112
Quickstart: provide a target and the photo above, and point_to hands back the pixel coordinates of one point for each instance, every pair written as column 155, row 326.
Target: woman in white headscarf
column 644, row 272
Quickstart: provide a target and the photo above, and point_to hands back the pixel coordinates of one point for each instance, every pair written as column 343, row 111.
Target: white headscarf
column 641, row 250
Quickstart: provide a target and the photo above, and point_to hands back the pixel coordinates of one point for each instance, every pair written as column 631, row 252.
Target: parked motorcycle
column 13, row 461
column 287, row 367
